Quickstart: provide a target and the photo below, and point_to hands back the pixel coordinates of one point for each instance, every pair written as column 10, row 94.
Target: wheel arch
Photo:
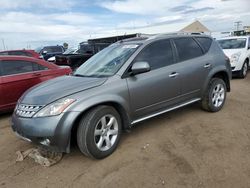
column 220, row 73
column 125, row 118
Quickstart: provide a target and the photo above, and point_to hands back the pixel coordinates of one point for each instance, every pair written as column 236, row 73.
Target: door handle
column 173, row 75
column 207, row 65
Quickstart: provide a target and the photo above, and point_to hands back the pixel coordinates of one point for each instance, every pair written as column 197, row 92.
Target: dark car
column 88, row 49
column 49, row 51
column 19, row 73
column 76, row 58
column 126, row 83
column 28, row 53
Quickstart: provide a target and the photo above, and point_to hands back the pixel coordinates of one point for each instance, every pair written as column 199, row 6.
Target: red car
column 19, row 73
column 28, row 53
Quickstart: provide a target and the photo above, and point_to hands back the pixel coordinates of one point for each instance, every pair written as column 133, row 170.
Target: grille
column 28, row 111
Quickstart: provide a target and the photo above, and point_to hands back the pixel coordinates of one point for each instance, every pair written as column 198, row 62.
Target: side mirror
column 140, row 67
column 44, row 52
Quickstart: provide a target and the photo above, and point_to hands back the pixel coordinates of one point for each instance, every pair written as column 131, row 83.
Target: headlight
column 235, row 57
column 54, row 108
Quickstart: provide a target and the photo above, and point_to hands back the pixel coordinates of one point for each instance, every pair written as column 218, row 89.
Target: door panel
column 194, row 66
column 153, row 91
column 13, row 87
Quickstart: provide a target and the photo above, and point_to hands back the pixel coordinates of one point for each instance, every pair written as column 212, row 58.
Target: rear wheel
column 215, row 95
column 243, row 71
column 99, row 132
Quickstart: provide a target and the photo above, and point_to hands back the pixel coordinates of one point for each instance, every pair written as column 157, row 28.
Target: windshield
column 232, row 43
column 70, row 51
column 38, row 50
column 107, row 62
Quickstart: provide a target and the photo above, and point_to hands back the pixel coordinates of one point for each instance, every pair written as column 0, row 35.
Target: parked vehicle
column 49, row 51
column 29, row 53
column 19, row 73
column 52, row 59
column 88, row 49
column 238, row 51
column 126, row 83
column 71, row 57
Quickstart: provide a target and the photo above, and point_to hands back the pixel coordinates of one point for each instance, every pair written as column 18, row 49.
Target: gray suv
column 126, row 83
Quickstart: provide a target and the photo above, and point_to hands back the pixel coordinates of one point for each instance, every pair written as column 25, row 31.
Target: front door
column 159, row 88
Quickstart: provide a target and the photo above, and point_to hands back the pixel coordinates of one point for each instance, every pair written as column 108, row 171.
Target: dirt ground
column 183, row 148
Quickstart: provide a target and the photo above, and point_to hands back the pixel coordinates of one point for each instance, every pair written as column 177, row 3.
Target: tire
column 215, row 95
column 95, row 137
column 244, row 69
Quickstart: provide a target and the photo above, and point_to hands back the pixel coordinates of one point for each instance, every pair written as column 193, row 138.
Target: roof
column 195, row 27
column 160, row 36
column 234, row 37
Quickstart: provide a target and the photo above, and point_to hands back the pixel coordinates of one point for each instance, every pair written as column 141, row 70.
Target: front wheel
column 243, row 71
column 99, row 132
column 215, row 95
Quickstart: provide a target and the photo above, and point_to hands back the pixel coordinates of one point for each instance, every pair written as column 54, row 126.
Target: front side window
column 232, row 43
column 158, row 54
column 187, row 48
column 107, row 62
column 16, row 67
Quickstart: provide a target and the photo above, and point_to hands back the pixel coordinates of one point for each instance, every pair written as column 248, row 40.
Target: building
column 196, row 27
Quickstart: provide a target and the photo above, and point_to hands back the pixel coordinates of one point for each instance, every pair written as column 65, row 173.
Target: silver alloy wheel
column 245, row 67
column 106, row 131
column 218, row 95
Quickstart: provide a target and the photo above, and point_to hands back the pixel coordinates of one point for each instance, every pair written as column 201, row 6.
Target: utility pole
column 3, row 44
column 237, row 25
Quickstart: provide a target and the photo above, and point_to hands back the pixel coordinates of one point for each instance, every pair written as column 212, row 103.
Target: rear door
column 159, row 88
column 16, row 79
column 42, row 73
column 195, row 65
column 1, row 83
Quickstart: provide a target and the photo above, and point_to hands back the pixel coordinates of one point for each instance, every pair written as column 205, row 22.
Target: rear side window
column 38, row 67
column 187, row 48
column 205, row 43
column 158, row 54
column 4, row 53
column 16, row 67
column 18, row 53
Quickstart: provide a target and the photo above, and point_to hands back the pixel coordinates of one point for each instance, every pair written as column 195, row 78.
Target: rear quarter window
column 187, row 48
column 205, row 43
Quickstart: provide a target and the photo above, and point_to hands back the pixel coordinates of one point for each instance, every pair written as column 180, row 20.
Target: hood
column 57, row 88
column 230, row 52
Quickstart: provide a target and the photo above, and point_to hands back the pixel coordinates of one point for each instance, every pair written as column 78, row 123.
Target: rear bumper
column 52, row 133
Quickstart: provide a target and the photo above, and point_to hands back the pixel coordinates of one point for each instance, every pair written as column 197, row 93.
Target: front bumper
column 52, row 133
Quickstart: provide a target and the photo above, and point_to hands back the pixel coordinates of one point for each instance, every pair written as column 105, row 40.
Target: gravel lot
column 183, row 148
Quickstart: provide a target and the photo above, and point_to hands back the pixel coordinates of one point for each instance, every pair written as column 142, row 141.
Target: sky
column 32, row 23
